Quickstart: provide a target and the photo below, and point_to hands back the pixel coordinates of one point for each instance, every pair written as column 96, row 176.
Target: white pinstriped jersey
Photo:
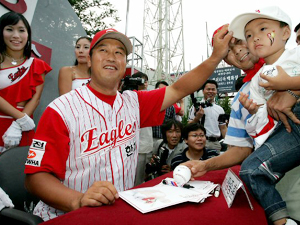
column 103, row 142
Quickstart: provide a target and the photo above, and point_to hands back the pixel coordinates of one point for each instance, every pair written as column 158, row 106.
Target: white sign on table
column 230, row 186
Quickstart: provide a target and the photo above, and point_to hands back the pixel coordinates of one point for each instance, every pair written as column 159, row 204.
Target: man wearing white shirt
column 209, row 115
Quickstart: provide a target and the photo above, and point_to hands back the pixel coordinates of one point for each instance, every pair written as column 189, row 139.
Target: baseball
column 270, row 71
column 182, row 174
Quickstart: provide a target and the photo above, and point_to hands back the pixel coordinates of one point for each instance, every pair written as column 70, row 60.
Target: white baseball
column 270, row 71
column 182, row 174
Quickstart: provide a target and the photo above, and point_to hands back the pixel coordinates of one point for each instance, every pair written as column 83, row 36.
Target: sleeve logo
column 37, row 144
column 31, row 154
column 36, row 153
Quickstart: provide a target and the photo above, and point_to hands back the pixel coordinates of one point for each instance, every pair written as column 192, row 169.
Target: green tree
column 95, row 15
column 225, row 104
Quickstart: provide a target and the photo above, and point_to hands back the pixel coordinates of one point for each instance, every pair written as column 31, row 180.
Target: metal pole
column 127, row 12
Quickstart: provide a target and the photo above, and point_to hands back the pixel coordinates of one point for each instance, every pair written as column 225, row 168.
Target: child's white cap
column 237, row 25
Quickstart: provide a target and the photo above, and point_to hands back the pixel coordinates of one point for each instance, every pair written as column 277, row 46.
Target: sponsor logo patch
column 37, row 144
column 31, row 154
column 34, row 157
column 36, row 153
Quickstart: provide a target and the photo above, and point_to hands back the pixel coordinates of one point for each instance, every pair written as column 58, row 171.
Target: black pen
column 187, row 186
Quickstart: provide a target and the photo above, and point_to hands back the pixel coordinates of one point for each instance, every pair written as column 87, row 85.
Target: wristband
column 293, row 94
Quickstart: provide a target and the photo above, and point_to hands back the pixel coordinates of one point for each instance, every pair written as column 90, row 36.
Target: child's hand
column 248, row 103
column 280, row 82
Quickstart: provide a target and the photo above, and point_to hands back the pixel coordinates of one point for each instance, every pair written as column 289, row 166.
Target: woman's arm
column 65, row 80
column 33, row 103
column 9, row 110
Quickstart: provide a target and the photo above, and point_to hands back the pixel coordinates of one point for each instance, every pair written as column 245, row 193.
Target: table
column 213, row 211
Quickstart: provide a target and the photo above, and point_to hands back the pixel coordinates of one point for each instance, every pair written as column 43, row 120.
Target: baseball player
column 86, row 144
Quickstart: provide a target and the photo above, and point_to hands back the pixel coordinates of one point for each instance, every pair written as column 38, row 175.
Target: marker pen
column 217, row 191
column 171, row 182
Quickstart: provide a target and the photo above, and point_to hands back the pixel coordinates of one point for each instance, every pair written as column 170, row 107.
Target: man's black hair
column 192, row 127
column 161, row 82
column 297, row 27
column 167, row 125
column 210, row 82
column 140, row 75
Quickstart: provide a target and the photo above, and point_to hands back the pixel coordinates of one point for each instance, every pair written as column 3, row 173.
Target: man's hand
column 101, row 192
column 199, row 114
column 221, row 41
column 248, row 103
column 197, row 167
column 165, row 169
column 280, row 107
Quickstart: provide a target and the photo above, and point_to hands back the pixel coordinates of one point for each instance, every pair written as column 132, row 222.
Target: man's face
column 173, row 136
column 108, row 64
column 196, row 140
column 266, row 39
column 239, row 55
column 210, row 91
column 298, row 36
column 144, row 86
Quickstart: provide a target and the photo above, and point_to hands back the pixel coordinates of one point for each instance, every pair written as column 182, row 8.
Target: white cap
column 237, row 25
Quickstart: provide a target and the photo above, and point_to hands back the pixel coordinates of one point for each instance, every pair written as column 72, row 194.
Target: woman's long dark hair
column 84, row 37
column 12, row 18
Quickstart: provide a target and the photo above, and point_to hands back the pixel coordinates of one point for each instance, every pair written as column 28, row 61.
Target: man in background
column 146, row 141
column 208, row 115
column 170, row 114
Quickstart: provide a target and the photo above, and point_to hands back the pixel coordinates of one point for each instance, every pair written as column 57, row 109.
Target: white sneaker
column 290, row 222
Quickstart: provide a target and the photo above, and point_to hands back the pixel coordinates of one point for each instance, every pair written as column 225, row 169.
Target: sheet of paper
column 157, row 197
column 160, row 196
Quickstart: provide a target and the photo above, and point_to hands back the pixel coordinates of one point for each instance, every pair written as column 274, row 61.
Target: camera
column 205, row 104
column 153, row 169
column 196, row 104
column 131, row 83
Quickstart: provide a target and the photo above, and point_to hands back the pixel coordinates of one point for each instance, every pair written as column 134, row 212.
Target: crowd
column 96, row 139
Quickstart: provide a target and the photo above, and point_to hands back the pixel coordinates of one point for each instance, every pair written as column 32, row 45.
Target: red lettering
column 108, row 137
column 114, row 136
column 18, row 74
column 134, row 128
column 127, row 129
column 19, row 7
column 107, row 140
column 90, row 138
column 103, row 138
column 121, row 124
